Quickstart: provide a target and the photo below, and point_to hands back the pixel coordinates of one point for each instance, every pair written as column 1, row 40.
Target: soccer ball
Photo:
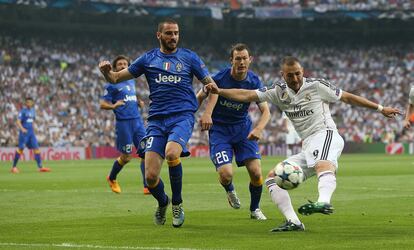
column 287, row 175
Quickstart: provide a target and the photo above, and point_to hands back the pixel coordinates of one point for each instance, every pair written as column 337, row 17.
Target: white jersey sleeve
column 411, row 97
column 328, row 91
column 267, row 95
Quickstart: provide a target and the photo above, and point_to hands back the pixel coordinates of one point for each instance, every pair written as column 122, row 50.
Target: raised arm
column 256, row 133
column 111, row 76
column 240, row 95
column 363, row 102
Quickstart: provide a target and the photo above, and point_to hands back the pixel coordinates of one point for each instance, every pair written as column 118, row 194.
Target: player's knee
column 125, row 158
column 256, row 181
column 225, row 174
column 325, row 167
column 225, row 178
column 151, row 179
column 172, row 155
column 122, row 161
column 173, row 163
column 256, row 177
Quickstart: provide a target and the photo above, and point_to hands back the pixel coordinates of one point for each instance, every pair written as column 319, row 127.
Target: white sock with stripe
column 281, row 198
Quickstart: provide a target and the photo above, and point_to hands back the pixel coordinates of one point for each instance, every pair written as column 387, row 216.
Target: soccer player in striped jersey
column 27, row 136
column 306, row 103
column 169, row 71
column 122, row 100
column 233, row 133
column 410, row 109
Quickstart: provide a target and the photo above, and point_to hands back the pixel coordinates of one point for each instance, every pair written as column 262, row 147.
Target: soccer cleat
column 289, row 226
column 178, row 215
column 146, row 191
column 233, row 199
column 43, row 169
column 316, row 207
column 159, row 216
column 113, row 184
column 14, row 170
column 257, row 214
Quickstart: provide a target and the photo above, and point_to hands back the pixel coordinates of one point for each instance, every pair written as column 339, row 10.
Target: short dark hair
column 289, row 61
column 238, row 47
column 120, row 57
column 167, row 20
column 29, row 98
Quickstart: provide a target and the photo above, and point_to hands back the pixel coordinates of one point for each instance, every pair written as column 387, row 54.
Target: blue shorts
column 226, row 139
column 177, row 128
column 128, row 133
column 29, row 139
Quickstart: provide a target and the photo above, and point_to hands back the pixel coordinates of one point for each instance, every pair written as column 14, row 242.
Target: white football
column 287, row 175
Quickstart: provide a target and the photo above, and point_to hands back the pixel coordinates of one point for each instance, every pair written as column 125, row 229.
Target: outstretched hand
column 390, row 112
column 105, row 67
column 212, row 88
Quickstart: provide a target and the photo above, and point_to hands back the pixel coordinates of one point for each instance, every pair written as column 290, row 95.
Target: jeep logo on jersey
column 171, row 78
column 130, row 98
column 232, row 105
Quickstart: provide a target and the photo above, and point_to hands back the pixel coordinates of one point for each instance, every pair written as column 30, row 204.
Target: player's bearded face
column 293, row 75
column 168, row 37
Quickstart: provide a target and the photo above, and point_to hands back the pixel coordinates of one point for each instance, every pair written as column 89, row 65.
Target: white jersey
column 411, row 96
column 309, row 108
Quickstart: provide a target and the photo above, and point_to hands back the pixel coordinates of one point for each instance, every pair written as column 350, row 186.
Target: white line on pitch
column 70, row 245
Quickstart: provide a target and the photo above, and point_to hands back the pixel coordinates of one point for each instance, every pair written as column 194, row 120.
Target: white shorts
column 292, row 137
column 322, row 146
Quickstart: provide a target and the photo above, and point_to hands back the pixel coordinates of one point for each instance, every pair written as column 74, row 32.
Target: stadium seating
column 64, row 80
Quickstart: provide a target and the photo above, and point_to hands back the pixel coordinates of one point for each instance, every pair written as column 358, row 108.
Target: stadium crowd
column 319, row 5
column 64, row 80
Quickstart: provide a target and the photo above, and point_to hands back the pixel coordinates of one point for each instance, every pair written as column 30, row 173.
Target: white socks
column 281, row 198
column 326, row 186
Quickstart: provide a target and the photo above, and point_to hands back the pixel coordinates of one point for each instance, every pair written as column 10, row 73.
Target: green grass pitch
column 73, row 208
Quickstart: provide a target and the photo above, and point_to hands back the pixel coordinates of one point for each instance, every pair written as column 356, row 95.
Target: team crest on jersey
column 166, row 66
column 308, row 97
column 178, row 67
column 285, row 97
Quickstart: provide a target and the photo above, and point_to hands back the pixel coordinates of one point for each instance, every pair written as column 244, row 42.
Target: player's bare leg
column 172, row 154
column 282, row 199
column 325, row 171
column 153, row 163
column 225, row 173
column 255, row 187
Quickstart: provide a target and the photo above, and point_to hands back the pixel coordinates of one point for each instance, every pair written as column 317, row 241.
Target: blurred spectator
column 64, row 80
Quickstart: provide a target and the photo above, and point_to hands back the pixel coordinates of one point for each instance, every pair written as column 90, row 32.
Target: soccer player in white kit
column 306, row 102
column 410, row 109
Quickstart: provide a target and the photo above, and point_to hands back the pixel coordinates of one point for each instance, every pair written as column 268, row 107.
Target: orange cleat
column 43, row 169
column 113, row 184
column 146, row 191
column 14, row 170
